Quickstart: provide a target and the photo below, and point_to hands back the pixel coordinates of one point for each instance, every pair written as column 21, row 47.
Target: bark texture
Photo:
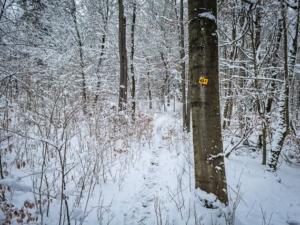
column 205, row 105
column 123, row 58
column 182, row 64
column 131, row 58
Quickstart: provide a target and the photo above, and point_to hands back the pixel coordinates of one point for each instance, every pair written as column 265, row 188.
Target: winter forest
column 104, row 118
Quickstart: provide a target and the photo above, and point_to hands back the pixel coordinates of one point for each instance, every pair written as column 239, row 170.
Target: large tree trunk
column 123, row 58
column 182, row 56
column 205, row 99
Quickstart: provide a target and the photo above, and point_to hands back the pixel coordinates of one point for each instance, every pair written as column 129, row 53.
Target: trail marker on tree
column 203, row 81
column 210, row 173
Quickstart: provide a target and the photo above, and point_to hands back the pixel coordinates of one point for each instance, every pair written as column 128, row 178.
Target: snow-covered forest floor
column 159, row 190
column 145, row 180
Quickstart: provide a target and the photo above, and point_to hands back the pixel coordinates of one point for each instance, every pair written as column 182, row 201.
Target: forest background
column 61, row 131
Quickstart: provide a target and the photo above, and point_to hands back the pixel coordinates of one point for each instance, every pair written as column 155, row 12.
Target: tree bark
column 188, row 108
column 228, row 107
column 292, row 62
column 205, row 100
column 80, row 45
column 131, row 58
column 165, row 86
column 283, row 118
column 123, row 58
column 149, row 92
column 182, row 56
column 103, row 41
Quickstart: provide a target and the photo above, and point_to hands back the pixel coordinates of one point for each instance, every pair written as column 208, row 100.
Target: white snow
column 208, row 15
column 78, row 215
column 50, row 170
column 15, row 185
column 153, row 183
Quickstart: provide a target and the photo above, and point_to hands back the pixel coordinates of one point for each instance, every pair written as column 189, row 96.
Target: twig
column 250, row 209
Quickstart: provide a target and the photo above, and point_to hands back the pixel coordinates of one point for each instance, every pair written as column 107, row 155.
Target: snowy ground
column 156, row 187
column 267, row 198
column 159, row 189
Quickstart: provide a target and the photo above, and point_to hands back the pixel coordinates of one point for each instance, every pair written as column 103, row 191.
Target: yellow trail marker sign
column 203, row 80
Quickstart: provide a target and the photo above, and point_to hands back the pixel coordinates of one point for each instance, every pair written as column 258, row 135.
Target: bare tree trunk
column 275, row 63
column 165, row 85
column 182, row 56
column 283, row 128
column 283, row 118
column 80, row 45
column 256, row 42
column 205, row 100
column 103, row 40
column 149, row 93
column 123, row 58
column 188, row 108
column 149, row 85
column 228, row 93
column 98, row 68
column 292, row 62
column 131, row 58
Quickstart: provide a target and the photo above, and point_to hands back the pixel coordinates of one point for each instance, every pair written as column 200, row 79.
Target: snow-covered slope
column 152, row 183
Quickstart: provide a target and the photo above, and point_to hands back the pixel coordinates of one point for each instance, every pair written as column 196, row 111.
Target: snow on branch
column 293, row 5
column 36, row 138
column 207, row 15
column 258, row 78
column 212, row 157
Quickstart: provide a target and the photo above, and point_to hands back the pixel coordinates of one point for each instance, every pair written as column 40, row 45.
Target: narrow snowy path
column 142, row 206
column 157, row 187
